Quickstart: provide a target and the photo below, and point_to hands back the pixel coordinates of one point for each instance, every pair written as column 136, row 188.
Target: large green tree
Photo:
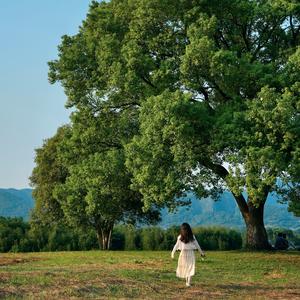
column 209, row 92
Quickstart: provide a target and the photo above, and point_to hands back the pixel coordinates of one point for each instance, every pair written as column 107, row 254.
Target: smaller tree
column 47, row 174
column 97, row 194
column 81, row 180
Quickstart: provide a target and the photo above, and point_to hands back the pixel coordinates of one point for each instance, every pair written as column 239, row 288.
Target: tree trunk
column 104, row 236
column 256, row 235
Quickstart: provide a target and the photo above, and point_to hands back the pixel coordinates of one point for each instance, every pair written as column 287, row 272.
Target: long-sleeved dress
column 186, row 260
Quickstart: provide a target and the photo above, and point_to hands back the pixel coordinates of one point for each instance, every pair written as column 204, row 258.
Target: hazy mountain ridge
column 226, row 213
column 18, row 203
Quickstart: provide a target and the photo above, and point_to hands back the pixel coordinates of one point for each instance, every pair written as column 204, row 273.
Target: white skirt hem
column 186, row 264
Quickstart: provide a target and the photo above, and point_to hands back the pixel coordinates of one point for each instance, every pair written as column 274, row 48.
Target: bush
column 12, row 230
column 19, row 236
column 170, row 237
column 118, row 239
column 126, row 237
column 156, row 238
column 152, row 238
column 218, row 238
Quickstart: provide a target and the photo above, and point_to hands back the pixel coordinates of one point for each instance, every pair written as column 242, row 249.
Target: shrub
column 19, row 236
column 218, row 238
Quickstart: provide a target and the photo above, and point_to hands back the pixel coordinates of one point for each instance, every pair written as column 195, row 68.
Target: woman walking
column 186, row 243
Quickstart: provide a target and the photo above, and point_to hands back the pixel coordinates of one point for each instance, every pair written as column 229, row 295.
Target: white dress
column 186, row 260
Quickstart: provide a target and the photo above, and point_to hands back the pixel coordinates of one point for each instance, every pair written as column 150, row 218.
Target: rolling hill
column 16, row 203
column 201, row 212
column 226, row 213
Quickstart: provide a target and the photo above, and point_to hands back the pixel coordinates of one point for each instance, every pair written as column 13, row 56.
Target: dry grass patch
column 4, row 261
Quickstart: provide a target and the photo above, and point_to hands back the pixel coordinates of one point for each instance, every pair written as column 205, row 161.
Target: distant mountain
column 201, row 212
column 226, row 213
column 16, row 203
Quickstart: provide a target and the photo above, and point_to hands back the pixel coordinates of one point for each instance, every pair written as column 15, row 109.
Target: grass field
column 148, row 275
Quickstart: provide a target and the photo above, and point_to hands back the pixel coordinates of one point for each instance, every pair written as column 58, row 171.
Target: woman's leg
column 189, row 280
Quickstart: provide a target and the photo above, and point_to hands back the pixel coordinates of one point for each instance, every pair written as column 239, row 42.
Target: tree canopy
column 206, row 93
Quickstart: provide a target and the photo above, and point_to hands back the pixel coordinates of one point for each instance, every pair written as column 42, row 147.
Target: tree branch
column 118, row 106
column 294, row 31
column 148, row 81
column 205, row 93
column 124, row 105
column 217, row 87
column 111, row 145
column 292, row 26
column 222, row 38
column 262, row 44
column 223, row 173
column 245, row 37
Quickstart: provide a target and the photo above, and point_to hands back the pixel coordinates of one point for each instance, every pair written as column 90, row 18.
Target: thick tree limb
column 223, row 173
column 261, row 44
column 205, row 93
column 148, row 81
column 294, row 31
column 245, row 37
column 222, row 93
column 222, row 38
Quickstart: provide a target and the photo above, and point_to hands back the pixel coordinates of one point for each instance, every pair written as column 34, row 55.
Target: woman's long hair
column 186, row 234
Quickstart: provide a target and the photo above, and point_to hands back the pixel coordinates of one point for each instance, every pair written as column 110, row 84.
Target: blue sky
column 30, row 108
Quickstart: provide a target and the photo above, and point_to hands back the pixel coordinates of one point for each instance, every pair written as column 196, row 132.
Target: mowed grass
column 148, row 275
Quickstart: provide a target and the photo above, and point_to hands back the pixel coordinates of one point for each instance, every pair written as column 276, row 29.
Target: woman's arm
column 198, row 246
column 175, row 248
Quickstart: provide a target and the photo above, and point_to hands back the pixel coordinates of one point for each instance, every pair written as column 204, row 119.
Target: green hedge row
column 18, row 236
column 156, row 238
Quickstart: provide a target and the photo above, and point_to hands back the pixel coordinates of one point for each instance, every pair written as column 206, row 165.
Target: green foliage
column 156, row 238
column 95, row 189
column 19, row 236
column 118, row 240
column 12, row 230
column 129, row 235
column 49, row 172
column 81, row 179
column 212, row 81
column 294, row 205
column 186, row 88
column 152, row 238
column 218, row 238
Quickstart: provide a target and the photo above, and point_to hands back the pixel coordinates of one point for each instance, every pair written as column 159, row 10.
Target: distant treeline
column 17, row 235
